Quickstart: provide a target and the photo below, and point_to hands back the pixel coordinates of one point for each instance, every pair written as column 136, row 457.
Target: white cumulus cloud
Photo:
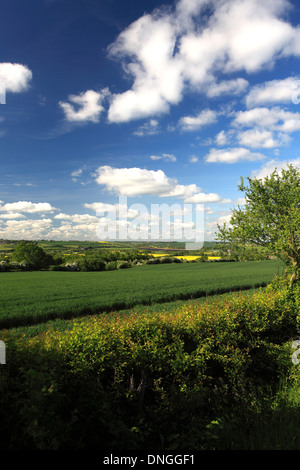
column 204, row 118
column 271, row 165
column 87, row 106
column 139, row 181
column 274, row 118
column 174, row 50
column 15, row 77
column 233, row 87
column 274, row 91
column 262, row 138
column 29, row 229
column 27, row 206
column 232, row 155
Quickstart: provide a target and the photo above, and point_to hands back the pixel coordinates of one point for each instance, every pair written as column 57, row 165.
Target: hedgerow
column 159, row 380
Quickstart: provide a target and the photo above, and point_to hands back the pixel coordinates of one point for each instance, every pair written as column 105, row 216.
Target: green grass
column 28, row 298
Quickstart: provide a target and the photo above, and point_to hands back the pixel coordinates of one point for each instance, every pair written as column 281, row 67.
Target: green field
column 29, row 298
column 180, row 360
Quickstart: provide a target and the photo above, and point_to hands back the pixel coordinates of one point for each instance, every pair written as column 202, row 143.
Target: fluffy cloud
column 27, row 206
column 29, row 229
column 121, row 209
column 157, row 75
column 213, row 224
column 100, row 207
column 172, row 50
column 271, row 165
column 232, row 155
column 271, row 118
column 259, row 127
column 233, row 87
column 262, row 138
column 87, row 106
column 222, row 138
column 138, row 181
column 192, row 123
column 15, row 225
column 12, row 215
column 203, row 198
column 78, row 218
column 15, row 77
column 274, row 91
column 257, row 138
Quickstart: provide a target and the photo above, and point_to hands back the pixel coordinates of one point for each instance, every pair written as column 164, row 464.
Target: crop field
column 28, row 298
column 162, row 356
column 184, row 257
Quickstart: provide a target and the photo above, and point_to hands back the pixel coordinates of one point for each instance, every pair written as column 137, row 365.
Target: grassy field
column 29, row 298
column 180, row 360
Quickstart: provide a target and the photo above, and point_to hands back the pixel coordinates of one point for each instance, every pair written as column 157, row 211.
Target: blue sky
column 161, row 103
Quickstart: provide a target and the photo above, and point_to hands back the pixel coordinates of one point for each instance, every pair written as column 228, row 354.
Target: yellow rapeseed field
column 186, row 257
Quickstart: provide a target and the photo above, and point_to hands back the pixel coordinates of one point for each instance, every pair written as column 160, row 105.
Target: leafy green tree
column 33, row 254
column 270, row 217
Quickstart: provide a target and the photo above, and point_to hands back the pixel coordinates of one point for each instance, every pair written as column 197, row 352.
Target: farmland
column 185, row 355
column 33, row 297
column 196, row 376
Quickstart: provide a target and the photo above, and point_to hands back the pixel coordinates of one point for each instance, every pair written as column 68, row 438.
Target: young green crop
column 32, row 297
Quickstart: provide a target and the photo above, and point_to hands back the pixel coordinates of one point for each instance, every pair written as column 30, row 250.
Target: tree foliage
column 32, row 254
column 270, row 217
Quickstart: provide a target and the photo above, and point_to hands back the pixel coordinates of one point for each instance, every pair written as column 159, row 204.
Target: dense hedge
column 145, row 381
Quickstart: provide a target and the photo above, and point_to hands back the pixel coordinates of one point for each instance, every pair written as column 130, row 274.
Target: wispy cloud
column 165, row 156
column 149, row 128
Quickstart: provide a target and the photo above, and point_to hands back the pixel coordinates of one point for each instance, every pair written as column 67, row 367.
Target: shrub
column 165, row 259
column 111, row 265
column 123, row 264
column 14, row 265
column 177, row 260
column 92, row 264
column 4, row 266
column 71, row 266
column 153, row 261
